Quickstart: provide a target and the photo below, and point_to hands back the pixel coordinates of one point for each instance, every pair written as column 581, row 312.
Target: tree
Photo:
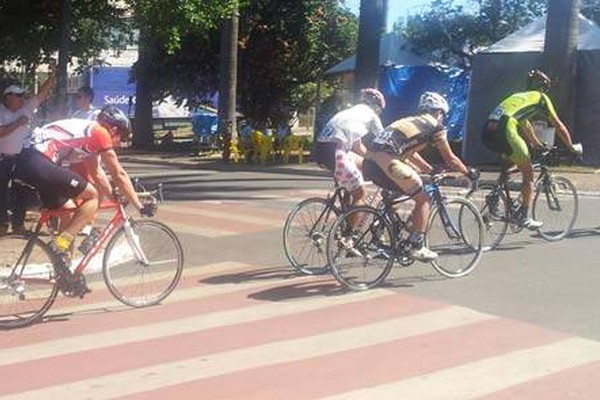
column 228, row 82
column 372, row 25
column 560, row 50
column 163, row 25
column 452, row 34
column 285, row 44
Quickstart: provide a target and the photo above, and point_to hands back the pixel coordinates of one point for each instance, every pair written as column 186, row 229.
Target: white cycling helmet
column 433, row 101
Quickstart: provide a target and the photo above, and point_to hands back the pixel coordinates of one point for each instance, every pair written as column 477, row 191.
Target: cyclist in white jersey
column 339, row 146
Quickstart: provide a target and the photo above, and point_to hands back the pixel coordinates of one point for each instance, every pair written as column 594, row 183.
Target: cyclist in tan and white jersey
column 397, row 147
column 508, row 131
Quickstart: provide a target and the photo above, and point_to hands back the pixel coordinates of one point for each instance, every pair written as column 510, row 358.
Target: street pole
column 228, row 84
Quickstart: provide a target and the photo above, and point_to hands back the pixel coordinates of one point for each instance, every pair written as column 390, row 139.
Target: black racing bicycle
column 555, row 203
column 306, row 228
column 362, row 256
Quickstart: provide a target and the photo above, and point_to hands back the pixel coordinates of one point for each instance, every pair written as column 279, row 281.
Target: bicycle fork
column 134, row 242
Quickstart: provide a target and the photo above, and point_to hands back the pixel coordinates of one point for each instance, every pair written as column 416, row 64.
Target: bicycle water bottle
column 87, row 243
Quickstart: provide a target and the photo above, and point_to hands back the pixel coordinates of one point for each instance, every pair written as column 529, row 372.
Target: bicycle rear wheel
column 145, row 279
column 362, row 257
column 493, row 207
column 305, row 235
column 27, row 281
column 455, row 232
column 556, row 204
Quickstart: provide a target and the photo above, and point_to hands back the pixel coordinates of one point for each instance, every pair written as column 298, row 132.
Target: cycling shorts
column 404, row 178
column 503, row 138
column 55, row 184
column 342, row 163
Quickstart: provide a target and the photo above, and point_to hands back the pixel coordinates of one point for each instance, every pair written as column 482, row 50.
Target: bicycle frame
column 118, row 220
column 340, row 195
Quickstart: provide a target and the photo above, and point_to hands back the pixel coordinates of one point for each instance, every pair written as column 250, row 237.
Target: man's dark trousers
column 14, row 199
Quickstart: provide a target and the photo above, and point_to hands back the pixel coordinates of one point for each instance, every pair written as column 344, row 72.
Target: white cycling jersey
column 351, row 124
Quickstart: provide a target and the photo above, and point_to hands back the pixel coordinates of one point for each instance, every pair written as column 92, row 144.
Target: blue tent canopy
column 403, row 85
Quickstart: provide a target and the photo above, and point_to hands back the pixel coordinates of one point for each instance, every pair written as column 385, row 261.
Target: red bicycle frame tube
column 109, row 230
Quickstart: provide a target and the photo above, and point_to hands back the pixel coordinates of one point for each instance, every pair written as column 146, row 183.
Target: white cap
column 14, row 89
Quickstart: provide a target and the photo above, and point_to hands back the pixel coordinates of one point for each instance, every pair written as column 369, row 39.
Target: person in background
column 83, row 103
column 16, row 113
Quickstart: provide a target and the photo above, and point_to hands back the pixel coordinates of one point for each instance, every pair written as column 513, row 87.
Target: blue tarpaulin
column 112, row 86
column 403, row 85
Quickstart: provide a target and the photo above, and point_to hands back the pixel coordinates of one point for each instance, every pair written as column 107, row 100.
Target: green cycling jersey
column 525, row 105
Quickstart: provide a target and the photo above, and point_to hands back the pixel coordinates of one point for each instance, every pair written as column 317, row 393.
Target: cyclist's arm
column 98, row 176
column 120, row 177
column 9, row 128
column 562, row 131
column 526, row 130
column 452, row 162
column 419, row 162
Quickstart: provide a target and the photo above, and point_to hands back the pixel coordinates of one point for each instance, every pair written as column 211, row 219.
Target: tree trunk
column 228, row 83
column 63, row 57
column 143, row 134
column 372, row 22
column 560, row 54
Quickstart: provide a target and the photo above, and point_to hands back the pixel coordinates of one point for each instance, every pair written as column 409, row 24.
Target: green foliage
column 284, row 45
column 452, row 33
column 30, row 30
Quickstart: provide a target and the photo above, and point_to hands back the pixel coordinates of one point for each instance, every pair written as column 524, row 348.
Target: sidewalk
column 586, row 179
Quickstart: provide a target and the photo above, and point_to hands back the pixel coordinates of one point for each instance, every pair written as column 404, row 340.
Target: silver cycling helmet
column 433, row 101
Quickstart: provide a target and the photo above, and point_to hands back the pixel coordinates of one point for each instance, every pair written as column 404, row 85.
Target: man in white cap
column 15, row 114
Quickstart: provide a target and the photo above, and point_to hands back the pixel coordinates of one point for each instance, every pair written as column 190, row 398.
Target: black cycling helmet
column 112, row 117
column 537, row 80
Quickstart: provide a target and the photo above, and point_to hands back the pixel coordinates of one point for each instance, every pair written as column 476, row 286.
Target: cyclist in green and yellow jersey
column 508, row 131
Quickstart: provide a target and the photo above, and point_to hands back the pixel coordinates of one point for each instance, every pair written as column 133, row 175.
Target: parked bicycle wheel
column 455, row 231
column 305, row 235
column 142, row 263
column 556, row 204
column 361, row 257
column 493, row 207
column 27, row 291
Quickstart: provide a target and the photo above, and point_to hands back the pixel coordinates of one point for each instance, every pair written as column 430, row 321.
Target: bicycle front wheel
column 455, row 232
column 27, row 281
column 305, row 235
column 556, row 204
column 360, row 248
column 493, row 207
column 143, row 263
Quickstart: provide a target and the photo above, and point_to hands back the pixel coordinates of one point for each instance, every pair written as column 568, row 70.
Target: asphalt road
column 554, row 285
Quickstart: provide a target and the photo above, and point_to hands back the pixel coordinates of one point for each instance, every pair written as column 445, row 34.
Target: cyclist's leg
column 56, row 186
column 350, row 177
column 409, row 182
column 520, row 156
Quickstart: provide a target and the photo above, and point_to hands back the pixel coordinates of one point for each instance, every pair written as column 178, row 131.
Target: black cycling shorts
column 55, row 184
column 324, row 154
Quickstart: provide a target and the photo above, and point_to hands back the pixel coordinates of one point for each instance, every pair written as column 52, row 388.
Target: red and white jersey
column 70, row 141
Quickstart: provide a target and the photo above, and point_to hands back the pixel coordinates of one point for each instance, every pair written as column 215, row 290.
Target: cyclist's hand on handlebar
column 149, row 207
column 577, row 148
column 472, row 173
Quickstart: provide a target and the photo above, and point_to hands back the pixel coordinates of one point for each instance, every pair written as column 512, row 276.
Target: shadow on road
column 273, row 273
column 323, row 287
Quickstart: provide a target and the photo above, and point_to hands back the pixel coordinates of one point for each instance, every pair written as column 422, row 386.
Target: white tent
column 392, row 51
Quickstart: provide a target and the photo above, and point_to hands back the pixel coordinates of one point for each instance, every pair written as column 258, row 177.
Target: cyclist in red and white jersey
column 79, row 145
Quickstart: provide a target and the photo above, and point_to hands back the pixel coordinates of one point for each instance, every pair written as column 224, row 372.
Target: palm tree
column 372, row 21
column 560, row 53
